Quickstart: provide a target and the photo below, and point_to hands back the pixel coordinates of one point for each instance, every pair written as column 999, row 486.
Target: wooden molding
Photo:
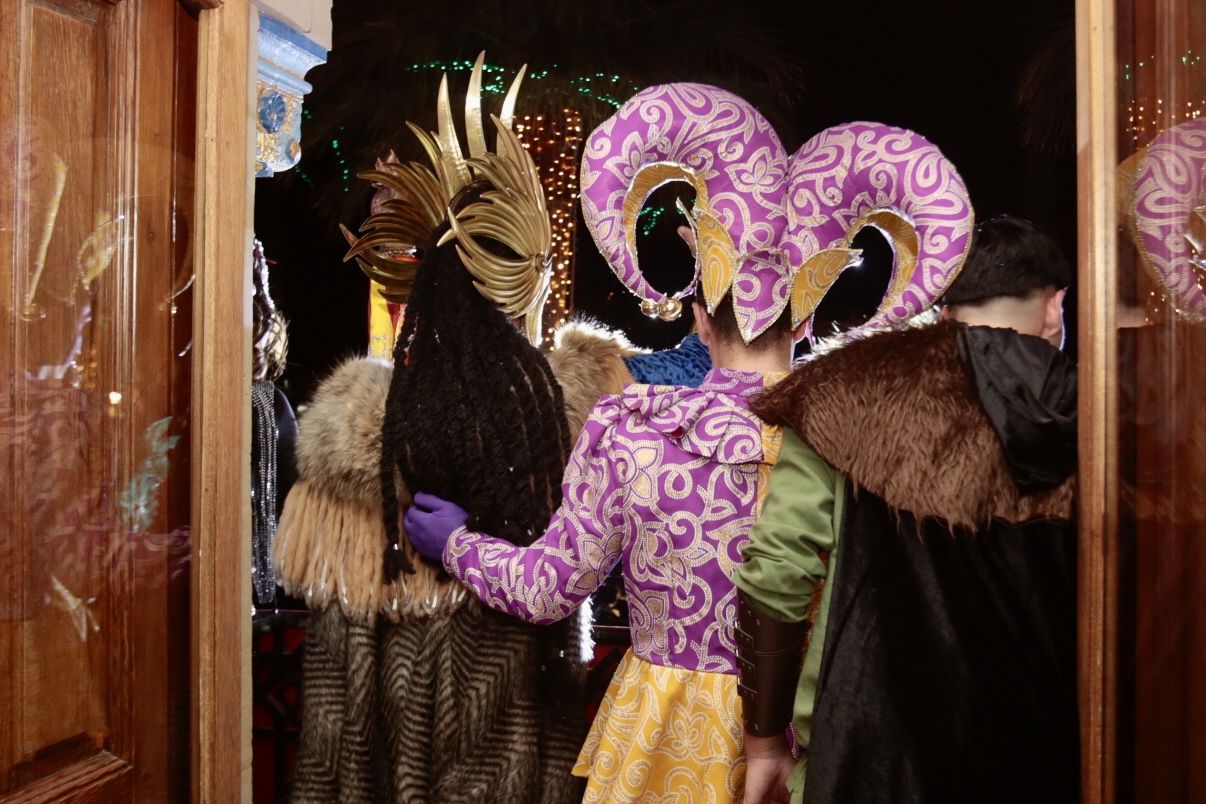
column 221, row 404
column 195, row 7
column 1097, row 155
column 92, row 781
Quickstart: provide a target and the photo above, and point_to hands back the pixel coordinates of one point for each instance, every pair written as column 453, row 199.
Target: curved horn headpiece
column 868, row 174
column 714, row 141
column 1169, row 215
column 769, row 230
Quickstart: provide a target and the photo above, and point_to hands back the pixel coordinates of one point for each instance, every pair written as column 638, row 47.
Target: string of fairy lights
column 553, row 143
column 607, row 88
column 648, row 217
column 1145, row 118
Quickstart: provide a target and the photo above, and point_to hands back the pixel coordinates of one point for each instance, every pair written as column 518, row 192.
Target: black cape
column 949, row 667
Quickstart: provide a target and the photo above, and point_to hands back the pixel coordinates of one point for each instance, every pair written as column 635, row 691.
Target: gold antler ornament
column 512, row 212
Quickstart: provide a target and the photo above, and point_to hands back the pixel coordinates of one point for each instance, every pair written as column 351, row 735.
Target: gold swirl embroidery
column 665, row 733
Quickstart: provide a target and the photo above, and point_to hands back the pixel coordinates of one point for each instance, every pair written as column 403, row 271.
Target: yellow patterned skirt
column 665, row 734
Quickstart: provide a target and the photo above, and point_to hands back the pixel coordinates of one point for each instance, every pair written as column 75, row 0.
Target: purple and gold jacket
column 669, row 480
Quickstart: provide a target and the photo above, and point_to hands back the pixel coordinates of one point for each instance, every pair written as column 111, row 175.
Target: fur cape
column 949, row 662
column 330, row 540
column 899, row 416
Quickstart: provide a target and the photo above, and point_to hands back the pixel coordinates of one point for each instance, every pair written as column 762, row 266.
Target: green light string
column 583, row 84
column 343, row 163
column 303, row 175
column 648, row 217
column 602, row 87
column 1189, row 60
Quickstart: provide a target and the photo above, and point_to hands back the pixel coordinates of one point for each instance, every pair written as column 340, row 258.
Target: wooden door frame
column 1097, row 266
column 221, row 745
column 221, row 403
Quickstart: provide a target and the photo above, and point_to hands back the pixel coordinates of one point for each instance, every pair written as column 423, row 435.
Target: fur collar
column 898, row 414
column 588, row 361
column 339, row 433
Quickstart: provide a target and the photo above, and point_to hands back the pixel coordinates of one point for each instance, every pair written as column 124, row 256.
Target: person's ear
column 1053, row 319
column 944, row 313
column 703, row 324
column 801, row 332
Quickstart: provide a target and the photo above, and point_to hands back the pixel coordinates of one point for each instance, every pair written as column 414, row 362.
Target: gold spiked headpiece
column 512, row 212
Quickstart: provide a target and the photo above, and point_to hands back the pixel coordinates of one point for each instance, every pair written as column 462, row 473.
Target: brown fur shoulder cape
column 330, row 539
column 898, row 415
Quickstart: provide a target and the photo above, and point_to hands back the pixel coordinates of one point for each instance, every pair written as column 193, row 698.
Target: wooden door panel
column 58, row 718
column 95, row 206
column 100, row 778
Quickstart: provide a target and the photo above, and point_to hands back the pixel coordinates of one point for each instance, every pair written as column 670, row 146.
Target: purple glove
column 429, row 522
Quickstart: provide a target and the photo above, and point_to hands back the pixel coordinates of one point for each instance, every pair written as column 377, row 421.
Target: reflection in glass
column 1161, row 442
column 93, row 428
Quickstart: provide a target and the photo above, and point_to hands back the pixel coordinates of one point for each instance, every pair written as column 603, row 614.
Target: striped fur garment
column 446, row 708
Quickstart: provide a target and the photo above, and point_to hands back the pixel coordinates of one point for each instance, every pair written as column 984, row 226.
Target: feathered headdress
column 511, row 211
column 774, row 230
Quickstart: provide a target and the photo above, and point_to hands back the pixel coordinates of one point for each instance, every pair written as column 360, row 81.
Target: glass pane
column 1161, row 708
column 95, row 333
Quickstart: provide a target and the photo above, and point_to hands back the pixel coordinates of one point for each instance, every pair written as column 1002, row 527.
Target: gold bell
column 670, row 309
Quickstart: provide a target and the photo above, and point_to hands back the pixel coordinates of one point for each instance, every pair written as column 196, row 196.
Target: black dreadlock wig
column 474, row 413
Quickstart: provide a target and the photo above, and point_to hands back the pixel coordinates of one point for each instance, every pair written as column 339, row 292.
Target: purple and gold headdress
column 730, row 155
column 773, row 230
column 1169, row 215
column 868, row 174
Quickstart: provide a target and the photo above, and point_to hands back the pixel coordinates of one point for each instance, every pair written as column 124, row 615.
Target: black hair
column 724, row 326
column 1010, row 257
column 474, row 414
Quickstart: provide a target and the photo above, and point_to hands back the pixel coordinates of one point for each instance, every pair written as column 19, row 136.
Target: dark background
column 991, row 84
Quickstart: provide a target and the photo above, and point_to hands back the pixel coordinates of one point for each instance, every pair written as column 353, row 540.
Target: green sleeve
column 782, row 560
column 781, row 564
